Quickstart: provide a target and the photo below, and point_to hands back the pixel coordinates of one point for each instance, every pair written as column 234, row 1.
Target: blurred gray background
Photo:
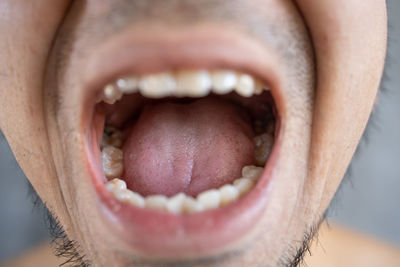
column 368, row 200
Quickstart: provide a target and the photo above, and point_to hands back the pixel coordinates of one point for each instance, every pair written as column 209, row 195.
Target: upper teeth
column 184, row 83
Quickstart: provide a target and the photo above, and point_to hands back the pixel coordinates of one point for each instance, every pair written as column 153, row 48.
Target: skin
column 330, row 78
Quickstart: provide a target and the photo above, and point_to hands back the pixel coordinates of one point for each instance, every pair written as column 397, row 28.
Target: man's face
column 209, row 87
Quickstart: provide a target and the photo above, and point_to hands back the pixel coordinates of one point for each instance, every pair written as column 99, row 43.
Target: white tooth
column 192, row 83
column 191, row 205
column 136, row 200
column 245, row 85
column 128, row 85
column 156, row 202
column 111, row 94
column 157, row 85
column 112, row 161
column 243, row 185
column 210, row 199
column 262, row 148
column 252, row 172
column 127, row 196
column 223, row 82
column 115, row 185
column 229, row 193
column 175, row 203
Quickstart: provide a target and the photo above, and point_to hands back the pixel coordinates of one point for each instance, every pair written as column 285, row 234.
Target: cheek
column 348, row 76
column 23, row 57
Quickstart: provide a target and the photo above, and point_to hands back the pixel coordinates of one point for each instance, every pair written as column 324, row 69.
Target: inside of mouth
column 184, row 142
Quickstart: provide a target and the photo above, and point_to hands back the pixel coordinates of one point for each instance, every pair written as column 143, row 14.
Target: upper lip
column 138, row 51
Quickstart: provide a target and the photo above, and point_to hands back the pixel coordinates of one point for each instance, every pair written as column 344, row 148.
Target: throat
column 187, row 147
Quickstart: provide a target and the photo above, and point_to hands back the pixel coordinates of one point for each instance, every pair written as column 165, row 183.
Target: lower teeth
column 112, row 161
column 183, row 204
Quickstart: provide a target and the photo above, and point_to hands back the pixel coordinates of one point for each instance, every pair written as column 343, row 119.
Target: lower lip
column 164, row 235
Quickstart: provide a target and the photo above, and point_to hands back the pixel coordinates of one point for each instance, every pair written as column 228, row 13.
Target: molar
column 112, row 161
column 252, row 172
column 115, row 185
column 111, row 137
column 127, row 196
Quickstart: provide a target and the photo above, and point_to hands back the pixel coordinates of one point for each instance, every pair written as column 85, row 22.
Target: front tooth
column 228, row 193
column 175, row 203
column 112, row 161
column 157, row 85
column 252, row 172
column 127, row 196
column 262, row 148
column 111, row 94
column 115, row 185
column 223, row 82
column 245, row 85
column 191, row 205
column 243, row 185
column 192, row 83
column 210, row 199
column 156, row 202
column 128, row 85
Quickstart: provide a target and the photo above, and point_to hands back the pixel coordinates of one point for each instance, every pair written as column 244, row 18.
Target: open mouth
column 181, row 158
column 191, row 141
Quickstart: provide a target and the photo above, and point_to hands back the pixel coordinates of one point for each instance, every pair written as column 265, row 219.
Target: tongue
column 187, row 148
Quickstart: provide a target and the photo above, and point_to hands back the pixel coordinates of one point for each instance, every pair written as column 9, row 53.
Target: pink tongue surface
column 187, row 148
